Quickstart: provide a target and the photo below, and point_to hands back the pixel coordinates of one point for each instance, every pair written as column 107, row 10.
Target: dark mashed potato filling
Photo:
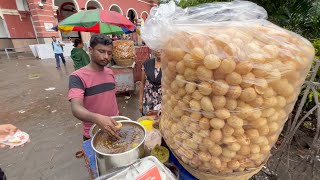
column 131, row 136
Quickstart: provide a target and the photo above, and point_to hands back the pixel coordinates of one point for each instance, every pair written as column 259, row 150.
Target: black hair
column 53, row 37
column 76, row 42
column 100, row 39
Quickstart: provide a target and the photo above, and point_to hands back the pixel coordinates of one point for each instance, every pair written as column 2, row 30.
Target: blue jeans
column 58, row 60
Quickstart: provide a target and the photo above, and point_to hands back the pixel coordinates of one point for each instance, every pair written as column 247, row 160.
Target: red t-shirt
column 97, row 89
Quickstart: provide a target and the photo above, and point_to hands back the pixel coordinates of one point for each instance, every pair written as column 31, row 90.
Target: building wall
column 33, row 25
column 19, row 28
column 5, row 43
column 138, row 5
column 8, row 4
column 41, row 15
column 22, row 45
column 82, row 4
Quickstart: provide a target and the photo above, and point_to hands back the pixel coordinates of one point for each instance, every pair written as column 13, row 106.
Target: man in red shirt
column 92, row 90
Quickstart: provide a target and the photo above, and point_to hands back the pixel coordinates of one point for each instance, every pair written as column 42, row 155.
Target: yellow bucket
column 146, row 122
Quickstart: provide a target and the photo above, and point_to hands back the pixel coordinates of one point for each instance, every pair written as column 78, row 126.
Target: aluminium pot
column 107, row 163
column 94, row 128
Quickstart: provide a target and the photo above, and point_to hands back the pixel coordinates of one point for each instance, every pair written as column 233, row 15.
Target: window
column 22, row 5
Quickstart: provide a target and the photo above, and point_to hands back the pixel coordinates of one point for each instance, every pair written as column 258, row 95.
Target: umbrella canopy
column 90, row 18
column 97, row 28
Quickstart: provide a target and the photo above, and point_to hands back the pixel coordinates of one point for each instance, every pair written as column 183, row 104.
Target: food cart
column 172, row 167
column 124, row 78
column 90, row 160
column 128, row 60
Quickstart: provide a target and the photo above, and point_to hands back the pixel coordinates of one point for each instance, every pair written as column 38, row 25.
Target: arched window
column 116, row 8
column 132, row 14
column 66, row 10
column 93, row 4
column 144, row 15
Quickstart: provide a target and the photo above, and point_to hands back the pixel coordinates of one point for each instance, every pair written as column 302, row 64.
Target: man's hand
column 108, row 124
column 7, row 129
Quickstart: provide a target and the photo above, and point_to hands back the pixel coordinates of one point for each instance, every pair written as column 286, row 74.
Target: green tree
column 300, row 16
column 188, row 3
column 166, row 1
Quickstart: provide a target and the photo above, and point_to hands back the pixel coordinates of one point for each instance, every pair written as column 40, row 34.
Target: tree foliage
column 188, row 3
column 300, row 16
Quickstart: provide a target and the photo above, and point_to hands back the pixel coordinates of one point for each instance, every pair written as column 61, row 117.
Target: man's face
column 54, row 38
column 101, row 54
column 81, row 45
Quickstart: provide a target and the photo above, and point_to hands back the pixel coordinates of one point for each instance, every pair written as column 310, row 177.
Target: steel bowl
column 109, row 162
column 94, row 128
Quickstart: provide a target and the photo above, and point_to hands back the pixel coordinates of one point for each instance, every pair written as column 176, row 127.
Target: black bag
column 2, row 175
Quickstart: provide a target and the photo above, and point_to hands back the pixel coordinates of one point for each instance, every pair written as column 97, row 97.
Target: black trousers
column 2, row 175
column 85, row 138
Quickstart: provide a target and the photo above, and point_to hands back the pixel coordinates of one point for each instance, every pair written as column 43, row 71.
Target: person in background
column 150, row 88
column 92, row 91
column 78, row 55
column 114, row 37
column 2, row 175
column 125, row 37
column 5, row 130
column 58, row 51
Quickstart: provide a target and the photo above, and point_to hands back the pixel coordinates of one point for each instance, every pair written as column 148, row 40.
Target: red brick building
column 24, row 22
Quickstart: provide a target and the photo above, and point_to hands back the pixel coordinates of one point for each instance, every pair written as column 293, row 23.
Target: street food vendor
column 92, row 90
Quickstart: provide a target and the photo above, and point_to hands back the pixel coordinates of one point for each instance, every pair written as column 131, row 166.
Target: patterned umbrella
column 104, row 29
column 100, row 20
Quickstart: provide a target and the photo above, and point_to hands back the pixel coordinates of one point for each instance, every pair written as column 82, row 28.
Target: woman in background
column 150, row 88
column 78, row 55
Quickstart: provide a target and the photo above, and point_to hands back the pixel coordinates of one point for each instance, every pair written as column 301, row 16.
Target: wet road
column 46, row 116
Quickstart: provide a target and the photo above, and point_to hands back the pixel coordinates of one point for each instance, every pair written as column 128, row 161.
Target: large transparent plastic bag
column 230, row 80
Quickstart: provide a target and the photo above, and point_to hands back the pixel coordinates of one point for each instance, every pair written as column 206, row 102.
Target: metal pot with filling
column 131, row 136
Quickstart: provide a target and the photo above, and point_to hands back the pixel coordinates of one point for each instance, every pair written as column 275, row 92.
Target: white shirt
column 57, row 49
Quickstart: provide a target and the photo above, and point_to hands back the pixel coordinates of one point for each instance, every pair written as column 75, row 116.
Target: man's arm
column 80, row 112
column 106, row 123
column 61, row 44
